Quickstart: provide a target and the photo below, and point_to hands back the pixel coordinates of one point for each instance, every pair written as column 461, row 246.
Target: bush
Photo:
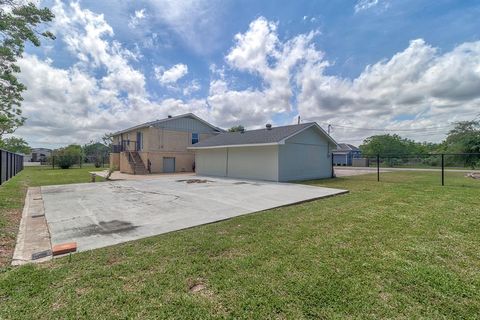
column 67, row 157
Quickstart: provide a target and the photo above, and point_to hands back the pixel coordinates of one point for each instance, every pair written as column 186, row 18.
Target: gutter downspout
column 226, row 166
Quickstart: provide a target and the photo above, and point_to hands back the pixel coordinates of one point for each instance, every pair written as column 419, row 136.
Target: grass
column 12, row 196
column 402, row 248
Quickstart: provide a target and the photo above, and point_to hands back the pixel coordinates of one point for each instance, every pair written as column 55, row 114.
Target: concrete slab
column 102, row 214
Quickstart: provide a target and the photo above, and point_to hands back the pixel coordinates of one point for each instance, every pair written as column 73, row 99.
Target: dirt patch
column 107, row 227
column 196, row 285
column 194, row 181
column 473, row 175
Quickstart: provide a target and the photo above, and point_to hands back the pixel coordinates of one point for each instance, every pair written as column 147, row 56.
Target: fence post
column 333, row 172
column 378, row 167
column 1, row 166
column 443, row 170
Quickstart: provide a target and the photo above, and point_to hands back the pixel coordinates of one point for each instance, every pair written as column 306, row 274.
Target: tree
column 16, row 145
column 95, row 152
column 465, row 138
column 68, row 156
column 384, row 144
column 108, row 139
column 238, row 128
column 18, row 24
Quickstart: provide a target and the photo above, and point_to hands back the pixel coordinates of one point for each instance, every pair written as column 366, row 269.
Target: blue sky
column 388, row 65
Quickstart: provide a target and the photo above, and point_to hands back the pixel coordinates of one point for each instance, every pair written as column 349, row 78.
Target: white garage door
column 258, row 163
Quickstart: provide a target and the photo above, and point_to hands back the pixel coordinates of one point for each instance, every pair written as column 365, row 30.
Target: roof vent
column 269, row 126
column 169, row 116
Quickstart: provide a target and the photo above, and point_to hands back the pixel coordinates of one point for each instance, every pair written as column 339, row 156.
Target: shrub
column 68, row 156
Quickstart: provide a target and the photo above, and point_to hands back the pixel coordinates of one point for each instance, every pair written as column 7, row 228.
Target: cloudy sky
column 363, row 66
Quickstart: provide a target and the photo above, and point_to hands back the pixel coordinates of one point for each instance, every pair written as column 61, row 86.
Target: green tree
column 68, row 156
column 238, row 128
column 19, row 23
column 95, row 152
column 17, row 145
column 465, row 138
column 385, row 144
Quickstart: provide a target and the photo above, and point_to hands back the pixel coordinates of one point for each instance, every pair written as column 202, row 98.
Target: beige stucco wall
column 124, row 165
column 183, row 160
column 115, row 160
column 159, row 143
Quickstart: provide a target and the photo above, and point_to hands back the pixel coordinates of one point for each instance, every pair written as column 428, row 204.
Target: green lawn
column 406, row 248
column 12, row 196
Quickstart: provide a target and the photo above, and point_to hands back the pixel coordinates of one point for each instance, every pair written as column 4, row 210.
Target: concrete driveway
column 101, row 214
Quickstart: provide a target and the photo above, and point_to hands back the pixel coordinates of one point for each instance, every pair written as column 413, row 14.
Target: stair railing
column 131, row 159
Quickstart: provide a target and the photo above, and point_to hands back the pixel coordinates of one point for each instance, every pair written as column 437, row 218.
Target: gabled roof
column 346, row 147
column 156, row 122
column 260, row 137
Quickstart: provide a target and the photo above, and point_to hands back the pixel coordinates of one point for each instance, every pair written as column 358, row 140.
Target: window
column 194, row 138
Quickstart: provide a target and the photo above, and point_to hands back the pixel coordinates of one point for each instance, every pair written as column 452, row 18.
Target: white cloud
column 194, row 86
column 172, row 75
column 432, row 89
column 84, row 34
column 259, row 52
column 136, row 18
column 365, row 5
column 195, row 22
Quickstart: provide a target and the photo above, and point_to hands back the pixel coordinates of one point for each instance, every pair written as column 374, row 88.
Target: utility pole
column 298, row 120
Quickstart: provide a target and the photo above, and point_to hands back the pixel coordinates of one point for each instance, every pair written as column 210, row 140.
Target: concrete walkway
column 117, row 175
column 33, row 239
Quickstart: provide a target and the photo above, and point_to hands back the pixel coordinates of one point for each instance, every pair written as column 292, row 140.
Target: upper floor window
column 194, row 138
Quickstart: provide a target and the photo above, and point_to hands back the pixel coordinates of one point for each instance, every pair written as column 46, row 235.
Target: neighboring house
column 161, row 145
column 38, row 155
column 294, row 152
column 344, row 154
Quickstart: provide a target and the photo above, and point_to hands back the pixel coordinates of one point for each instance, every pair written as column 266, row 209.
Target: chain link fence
column 439, row 168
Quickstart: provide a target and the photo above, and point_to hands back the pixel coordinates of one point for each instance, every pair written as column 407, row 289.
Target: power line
column 392, row 130
column 385, row 130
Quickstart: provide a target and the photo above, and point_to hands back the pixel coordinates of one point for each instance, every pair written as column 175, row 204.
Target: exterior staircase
column 136, row 163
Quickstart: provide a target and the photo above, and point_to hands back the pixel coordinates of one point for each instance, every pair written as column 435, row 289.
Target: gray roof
column 264, row 136
column 346, row 147
column 156, row 122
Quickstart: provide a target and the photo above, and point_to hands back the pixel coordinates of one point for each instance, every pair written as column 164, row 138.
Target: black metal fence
column 80, row 161
column 10, row 165
column 448, row 168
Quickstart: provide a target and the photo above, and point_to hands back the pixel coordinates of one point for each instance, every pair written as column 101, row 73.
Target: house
column 38, row 155
column 284, row 153
column 161, row 145
column 344, row 154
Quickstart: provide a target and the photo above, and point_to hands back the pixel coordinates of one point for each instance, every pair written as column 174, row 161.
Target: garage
column 284, row 153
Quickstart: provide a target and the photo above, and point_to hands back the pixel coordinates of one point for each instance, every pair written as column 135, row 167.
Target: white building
column 38, row 155
column 294, row 152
